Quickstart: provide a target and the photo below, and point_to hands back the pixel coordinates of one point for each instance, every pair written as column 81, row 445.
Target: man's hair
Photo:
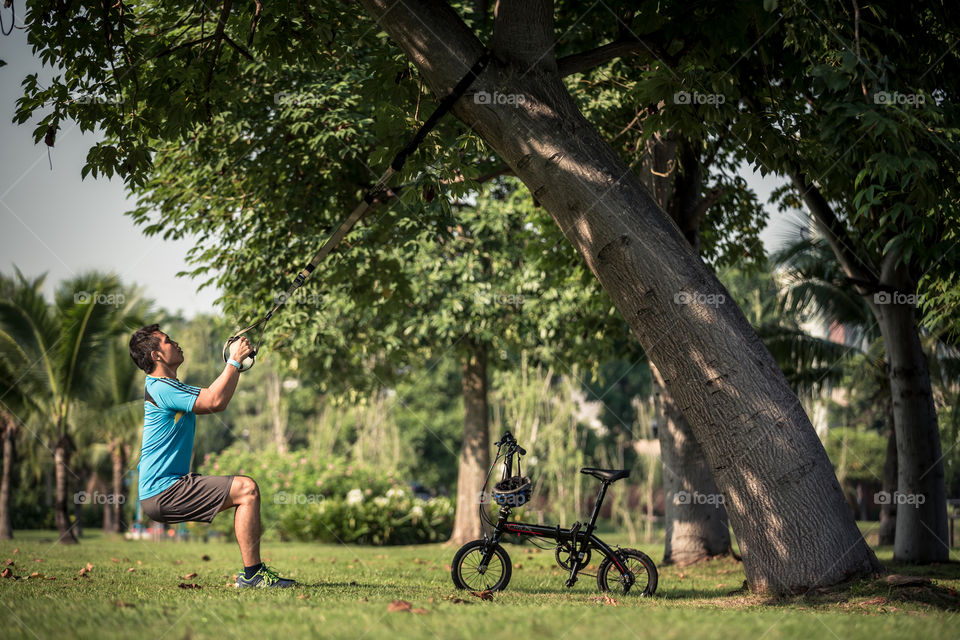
column 143, row 342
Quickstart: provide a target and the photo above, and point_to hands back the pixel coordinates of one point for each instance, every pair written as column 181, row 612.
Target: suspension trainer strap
column 378, row 190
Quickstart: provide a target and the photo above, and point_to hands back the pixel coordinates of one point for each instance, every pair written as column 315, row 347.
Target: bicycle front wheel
column 467, row 573
column 611, row 578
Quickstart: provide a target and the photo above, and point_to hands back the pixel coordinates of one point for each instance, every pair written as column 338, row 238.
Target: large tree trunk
column 61, row 460
column 695, row 519
column 475, row 453
column 8, row 433
column 888, row 510
column 921, row 528
column 115, row 506
column 784, row 502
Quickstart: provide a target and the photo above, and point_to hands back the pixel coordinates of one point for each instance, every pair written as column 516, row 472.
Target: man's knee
column 245, row 489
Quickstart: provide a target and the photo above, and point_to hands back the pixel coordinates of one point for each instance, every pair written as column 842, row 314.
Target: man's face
column 169, row 351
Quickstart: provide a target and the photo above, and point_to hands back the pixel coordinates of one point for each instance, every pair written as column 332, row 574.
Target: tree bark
column 475, row 453
column 888, row 511
column 921, row 527
column 115, row 506
column 786, row 507
column 61, row 460
column 697, row 526
column 695, row 519
column 9, row 433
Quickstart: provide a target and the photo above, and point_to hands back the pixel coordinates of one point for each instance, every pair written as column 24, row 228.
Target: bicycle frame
column 579, row 542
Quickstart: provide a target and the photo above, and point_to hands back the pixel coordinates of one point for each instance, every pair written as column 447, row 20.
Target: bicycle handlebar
column 507, row 440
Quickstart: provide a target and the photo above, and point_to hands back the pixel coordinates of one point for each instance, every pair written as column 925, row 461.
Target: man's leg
column 245, row 496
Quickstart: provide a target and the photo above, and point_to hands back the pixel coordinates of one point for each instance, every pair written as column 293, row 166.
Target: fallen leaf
column 123, row 604
column 178, row 562
column 483, row 595
column 418, row 610
column 36, row 574
column 397, row 606
column 303, row 596
column 681, row 576
column 7, row 573
column 114, row 559
column 131, row 570
column 455, row 600
column 50, row 578
column 17, row 550
column 139, row 562
column 418, row 561
column 9, row 562
column 898, row 580
column 38, row 559
column 89, row 567
column 189, row 585
column 877, row 600
column 518, row 566
column 205, row 558
column 605, row 599
column 190, row 576
column 448, row 567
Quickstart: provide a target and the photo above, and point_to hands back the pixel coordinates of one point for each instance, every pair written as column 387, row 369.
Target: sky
column 53, row 222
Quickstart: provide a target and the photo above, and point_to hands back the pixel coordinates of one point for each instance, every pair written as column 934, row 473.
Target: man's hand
column 215, row 398
column 240, row 349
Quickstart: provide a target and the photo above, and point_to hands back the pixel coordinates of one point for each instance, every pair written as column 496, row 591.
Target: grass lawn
column 133, row 590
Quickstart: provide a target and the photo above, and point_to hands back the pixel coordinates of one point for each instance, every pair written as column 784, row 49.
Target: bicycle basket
column 513, row 492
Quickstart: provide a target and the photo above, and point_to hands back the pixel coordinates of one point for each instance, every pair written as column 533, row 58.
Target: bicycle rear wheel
column 611, row 578
column 466, row 571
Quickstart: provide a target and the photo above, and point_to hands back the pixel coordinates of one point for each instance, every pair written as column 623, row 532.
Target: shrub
column 306, row 497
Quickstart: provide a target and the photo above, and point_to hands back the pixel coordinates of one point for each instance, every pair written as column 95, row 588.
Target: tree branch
column 835, row 231
column 585, row 60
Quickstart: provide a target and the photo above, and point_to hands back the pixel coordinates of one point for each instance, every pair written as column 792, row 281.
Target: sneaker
column 265, row 577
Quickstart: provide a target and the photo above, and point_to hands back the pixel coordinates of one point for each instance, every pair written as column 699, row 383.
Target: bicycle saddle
column 608, row 475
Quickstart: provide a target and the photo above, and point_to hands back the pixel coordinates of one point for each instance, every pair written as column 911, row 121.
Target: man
column 169, row 492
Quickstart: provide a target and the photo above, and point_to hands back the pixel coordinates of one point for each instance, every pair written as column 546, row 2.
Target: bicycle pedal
column 570, row 582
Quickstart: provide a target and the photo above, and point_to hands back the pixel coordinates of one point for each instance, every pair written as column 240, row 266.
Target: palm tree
column 55, row 353
column 115, row 418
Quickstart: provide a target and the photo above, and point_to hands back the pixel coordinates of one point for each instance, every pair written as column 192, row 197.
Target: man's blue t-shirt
column 168, row 427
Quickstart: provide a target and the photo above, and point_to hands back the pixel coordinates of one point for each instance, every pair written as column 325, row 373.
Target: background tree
column 57, row 350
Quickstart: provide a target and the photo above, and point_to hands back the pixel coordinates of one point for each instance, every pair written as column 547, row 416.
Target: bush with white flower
column 309, row 497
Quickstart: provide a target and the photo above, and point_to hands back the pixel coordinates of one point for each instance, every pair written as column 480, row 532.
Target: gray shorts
column 192, row 498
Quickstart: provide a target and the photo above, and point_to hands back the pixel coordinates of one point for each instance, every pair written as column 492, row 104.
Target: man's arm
column 216, row 397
